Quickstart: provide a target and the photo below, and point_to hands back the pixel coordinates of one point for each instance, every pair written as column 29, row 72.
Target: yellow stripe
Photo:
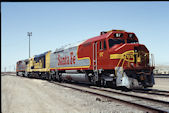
column 83, row 58
column 126, row 55
column 119, row 63
column 123, row 62
column 116, row 56
column 40, row 70
column 70, row 67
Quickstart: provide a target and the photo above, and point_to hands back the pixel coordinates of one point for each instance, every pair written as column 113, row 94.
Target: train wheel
column 49, row 77
column 23, row 74
column 26, row 74
column 103, row 82
column 98, row 83
column 45, row 76
column 42, row 76
column 60, row 78
column 54, row 78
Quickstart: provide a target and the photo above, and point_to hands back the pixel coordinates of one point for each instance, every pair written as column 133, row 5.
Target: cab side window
column 101, row 45
column 104, row 45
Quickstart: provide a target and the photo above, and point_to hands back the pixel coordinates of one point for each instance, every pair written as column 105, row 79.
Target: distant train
column 115, row 59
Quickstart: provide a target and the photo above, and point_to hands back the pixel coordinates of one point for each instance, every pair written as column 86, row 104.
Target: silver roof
column 68, row 46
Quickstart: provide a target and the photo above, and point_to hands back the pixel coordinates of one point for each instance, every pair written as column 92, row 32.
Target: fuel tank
column 77, row 77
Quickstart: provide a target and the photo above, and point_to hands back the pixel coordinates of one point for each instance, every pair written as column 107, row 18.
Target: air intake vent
column 103, row 32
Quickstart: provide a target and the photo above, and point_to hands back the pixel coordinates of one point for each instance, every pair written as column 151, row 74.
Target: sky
column 55, row 24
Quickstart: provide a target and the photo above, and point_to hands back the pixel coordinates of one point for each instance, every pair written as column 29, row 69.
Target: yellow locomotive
column 39, row 66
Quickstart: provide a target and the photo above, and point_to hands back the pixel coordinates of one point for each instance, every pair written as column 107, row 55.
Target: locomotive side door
column 102, row 54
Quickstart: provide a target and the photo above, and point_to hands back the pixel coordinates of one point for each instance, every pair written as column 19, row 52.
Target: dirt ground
column 23, row 95
column 161, row 84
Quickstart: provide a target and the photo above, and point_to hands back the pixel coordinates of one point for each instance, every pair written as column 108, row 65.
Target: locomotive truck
column 115, row 59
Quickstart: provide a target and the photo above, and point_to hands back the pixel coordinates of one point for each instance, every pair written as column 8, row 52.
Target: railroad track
column 145, row 91
column 132, row 95
column 146, row 104
column 158, row 92
column 153, row 106
column 153, row 92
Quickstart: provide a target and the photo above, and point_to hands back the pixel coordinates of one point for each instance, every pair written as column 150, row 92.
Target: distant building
column 161, row 69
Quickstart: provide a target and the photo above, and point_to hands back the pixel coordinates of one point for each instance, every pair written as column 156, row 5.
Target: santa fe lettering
column 66, row 60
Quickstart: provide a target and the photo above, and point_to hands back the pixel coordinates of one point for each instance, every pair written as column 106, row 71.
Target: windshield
column 131, row 38
column 132, row 41
column 113, row 42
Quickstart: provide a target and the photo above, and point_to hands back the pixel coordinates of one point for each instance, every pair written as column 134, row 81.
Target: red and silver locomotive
column 115, row 58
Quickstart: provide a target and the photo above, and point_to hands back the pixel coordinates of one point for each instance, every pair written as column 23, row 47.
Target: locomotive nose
column 130, row 55
column 141, row 55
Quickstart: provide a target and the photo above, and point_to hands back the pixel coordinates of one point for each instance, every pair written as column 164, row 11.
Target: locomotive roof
column 100, row 37
column 103, row 36
column 41, row 55
column 68, row 46
column 97, row 38
column 73, row 44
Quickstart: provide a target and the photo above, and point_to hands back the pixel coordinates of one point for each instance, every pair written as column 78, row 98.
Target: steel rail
column 140, row 97
column 153, row 93
column 155, row 90
column 140, row 106
column 144, row 91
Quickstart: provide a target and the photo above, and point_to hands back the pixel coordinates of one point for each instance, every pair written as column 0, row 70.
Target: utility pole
column 29, row 34
column 5, row 69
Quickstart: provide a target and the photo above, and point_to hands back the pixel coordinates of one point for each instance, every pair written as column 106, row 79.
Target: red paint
column 86, row 50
